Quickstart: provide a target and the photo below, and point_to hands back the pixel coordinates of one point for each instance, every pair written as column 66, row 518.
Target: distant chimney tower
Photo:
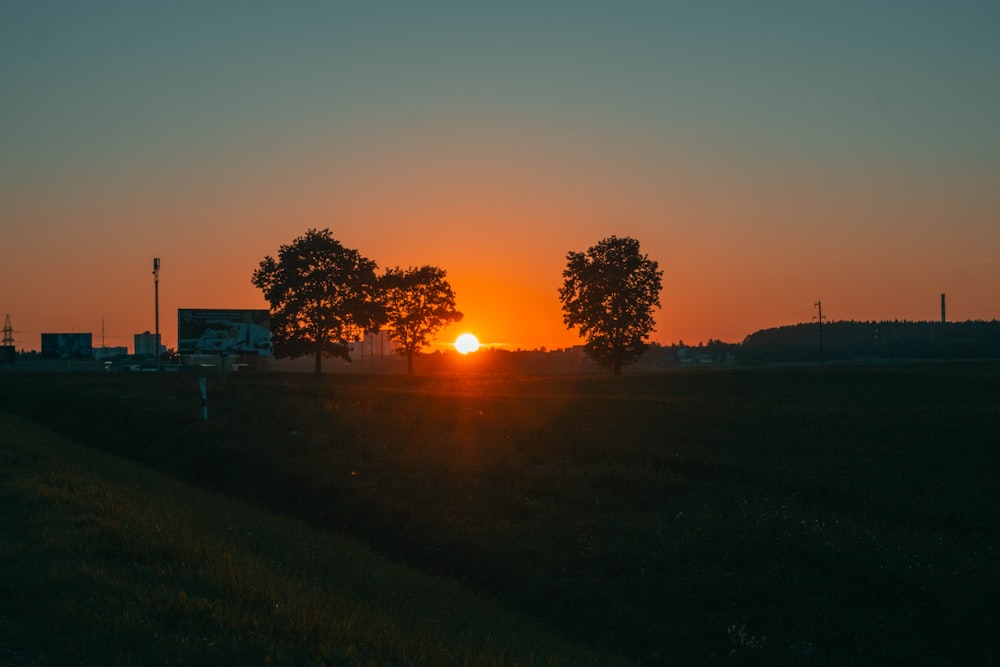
column 943, row 318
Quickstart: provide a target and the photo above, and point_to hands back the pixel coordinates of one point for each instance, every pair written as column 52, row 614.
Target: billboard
column 225, row 331
column 66, row 345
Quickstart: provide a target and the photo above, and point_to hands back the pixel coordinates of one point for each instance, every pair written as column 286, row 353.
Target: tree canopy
column 609, row 293
column 323, row 297
column 418, row 302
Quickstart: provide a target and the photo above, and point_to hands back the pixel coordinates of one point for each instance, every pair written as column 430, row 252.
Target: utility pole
column 156, row 304
column 819, row 318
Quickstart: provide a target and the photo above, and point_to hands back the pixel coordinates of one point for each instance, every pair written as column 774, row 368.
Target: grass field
column 109, row 563
column 807, row 516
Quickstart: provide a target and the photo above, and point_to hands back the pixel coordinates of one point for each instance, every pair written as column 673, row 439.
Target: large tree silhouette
column 418, row 302
column 609, row 294
column 323, row 297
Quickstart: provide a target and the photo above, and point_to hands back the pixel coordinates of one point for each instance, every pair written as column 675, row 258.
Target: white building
column 146, row 344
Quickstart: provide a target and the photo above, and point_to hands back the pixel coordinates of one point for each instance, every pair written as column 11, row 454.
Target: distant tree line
column 323, row 297
column 887, row 339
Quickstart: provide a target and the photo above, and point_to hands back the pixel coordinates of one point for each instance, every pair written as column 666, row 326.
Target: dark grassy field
column 807, row 516
column 109, row 563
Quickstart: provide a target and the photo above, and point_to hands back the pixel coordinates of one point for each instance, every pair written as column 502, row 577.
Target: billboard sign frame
column 223, row 331
column 67, row 345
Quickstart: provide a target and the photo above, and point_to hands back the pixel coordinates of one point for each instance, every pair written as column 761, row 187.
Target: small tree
column 609, row 294
column 323, row 296
column 418, row 302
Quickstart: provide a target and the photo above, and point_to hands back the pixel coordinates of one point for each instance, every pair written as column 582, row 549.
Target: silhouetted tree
column 323, row 296
column 418, row 302
column 609, row 294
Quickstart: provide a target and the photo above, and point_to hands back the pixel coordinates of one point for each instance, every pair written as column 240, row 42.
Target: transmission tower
column 8, row 331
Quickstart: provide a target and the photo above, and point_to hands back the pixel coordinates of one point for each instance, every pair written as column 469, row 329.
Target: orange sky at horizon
column 501, row 231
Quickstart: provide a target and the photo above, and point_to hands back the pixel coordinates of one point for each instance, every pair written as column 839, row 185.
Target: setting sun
column 466, row 343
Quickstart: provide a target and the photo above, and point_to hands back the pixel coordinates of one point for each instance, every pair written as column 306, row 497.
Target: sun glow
column 466, row 343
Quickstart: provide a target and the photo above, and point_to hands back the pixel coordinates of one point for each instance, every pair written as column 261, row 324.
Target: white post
column 203, row 385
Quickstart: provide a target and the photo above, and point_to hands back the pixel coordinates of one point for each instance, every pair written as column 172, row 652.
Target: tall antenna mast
column 156, row 297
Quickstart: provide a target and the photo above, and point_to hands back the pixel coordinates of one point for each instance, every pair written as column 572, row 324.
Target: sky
column 768, row 155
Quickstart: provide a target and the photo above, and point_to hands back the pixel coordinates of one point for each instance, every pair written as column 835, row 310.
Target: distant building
column 374, row 345
column 692, row 355
column 147, row 344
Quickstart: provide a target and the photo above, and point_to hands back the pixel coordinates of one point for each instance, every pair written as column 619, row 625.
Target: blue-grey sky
column 768, row 155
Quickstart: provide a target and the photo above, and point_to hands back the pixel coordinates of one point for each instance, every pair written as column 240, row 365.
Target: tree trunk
column 409, row 363
column 319, row 359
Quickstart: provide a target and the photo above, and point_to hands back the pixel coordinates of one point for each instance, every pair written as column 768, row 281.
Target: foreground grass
column 107, row 563
column 801, row 516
